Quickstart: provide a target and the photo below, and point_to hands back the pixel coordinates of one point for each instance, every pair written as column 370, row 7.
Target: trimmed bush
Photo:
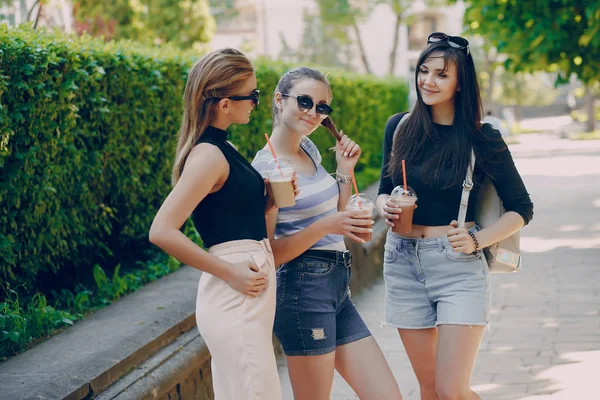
column 87, row 137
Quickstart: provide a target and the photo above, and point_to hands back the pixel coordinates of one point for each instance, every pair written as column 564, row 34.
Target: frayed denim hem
column 389, row 325
column 485, row 324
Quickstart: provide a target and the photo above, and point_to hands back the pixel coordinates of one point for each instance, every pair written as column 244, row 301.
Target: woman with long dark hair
column 436, row 276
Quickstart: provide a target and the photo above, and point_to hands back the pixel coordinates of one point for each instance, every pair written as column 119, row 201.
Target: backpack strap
column 467, row 186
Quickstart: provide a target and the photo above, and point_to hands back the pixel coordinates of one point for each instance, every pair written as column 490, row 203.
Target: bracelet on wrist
column 475, row 242
column 343, row 178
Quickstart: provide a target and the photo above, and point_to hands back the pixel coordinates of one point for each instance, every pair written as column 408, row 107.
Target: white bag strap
column 467, row 186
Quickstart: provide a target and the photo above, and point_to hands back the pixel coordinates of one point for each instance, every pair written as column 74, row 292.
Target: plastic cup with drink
column 405, row 198
column 362, row 202
column 280, row 173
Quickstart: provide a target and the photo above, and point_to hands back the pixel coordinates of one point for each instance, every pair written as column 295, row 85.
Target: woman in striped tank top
column 315, row 320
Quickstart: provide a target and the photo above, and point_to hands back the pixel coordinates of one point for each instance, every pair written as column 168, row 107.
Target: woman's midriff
column 423, row 232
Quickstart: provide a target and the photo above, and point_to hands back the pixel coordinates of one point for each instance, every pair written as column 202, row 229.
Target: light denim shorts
column 427, row 284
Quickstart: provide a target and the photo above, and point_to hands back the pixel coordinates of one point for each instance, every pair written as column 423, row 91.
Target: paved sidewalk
column 544, row 341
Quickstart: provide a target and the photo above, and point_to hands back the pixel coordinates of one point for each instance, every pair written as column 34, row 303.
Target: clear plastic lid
column 399, row 193
column 280, row 169
column 282, row 163
column 360, row 202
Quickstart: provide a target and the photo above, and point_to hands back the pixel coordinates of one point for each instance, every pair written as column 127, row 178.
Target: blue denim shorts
column 427, row 284
column 314, row 311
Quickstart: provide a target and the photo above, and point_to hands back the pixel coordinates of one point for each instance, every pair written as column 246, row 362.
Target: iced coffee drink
column 362, row 202
column 405, row 199
column 280, row 174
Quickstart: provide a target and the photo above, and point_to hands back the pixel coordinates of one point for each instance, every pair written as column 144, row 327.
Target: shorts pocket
column 318, row 268
column 390, row 254
column 281, row 277
column 455, row 256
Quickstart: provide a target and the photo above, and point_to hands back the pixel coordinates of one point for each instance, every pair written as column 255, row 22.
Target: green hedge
column 87, row 141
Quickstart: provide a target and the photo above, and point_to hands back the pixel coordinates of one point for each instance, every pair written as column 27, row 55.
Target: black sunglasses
column 306, row 103
column 455, row 41
column 254, row 95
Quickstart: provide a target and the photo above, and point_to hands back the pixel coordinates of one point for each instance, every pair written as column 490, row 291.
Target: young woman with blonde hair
column 227, row 201
column 316, row 321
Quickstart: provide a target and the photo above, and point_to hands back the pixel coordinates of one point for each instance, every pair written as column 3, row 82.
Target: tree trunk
column 361, row 48
column 30, row 12
column 37, row 18
column 589, row 101
column 392, row 65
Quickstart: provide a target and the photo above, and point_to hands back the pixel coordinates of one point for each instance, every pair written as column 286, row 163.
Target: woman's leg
column 312, row 376
column 420, row 345
column 456, row 353
column 363, row 365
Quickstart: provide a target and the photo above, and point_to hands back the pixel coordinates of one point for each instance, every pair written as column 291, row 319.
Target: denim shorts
column 427, row 284
column 314, row 311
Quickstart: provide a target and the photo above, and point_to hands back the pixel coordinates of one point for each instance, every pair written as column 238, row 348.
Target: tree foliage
column 182, row 23
column 553, row 35
column 87, row 133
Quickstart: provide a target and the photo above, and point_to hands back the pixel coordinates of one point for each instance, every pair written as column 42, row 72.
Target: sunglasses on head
column 253, row 96
column 454, row 41
column 306, row 103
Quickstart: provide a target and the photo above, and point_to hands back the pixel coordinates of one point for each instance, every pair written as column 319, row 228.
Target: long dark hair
column 287, row 82
column 418, row 133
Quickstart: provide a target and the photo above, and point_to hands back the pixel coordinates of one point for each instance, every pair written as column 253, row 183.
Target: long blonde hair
column 216, row 75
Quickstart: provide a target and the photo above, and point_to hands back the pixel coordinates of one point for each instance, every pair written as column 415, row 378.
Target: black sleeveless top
column 237, row 210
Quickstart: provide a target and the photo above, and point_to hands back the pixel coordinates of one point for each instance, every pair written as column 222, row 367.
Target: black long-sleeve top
column 438, row 205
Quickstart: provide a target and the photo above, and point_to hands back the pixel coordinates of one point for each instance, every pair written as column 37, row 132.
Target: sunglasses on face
column 254, row 95
column 306, row 103
column 454, row 41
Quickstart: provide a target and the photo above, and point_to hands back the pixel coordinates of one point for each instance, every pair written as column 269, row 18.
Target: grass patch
column 27, row 322
column 517, row 129
column 586, row 135
column 582, row 115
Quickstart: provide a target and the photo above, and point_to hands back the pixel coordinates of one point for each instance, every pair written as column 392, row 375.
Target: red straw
column 404, row 174
column 274, row 156
column 355, row 187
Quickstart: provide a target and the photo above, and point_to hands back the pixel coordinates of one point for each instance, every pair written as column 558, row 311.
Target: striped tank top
column 318, row 198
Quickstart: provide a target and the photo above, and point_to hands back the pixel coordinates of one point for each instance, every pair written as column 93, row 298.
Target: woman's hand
column 460, row 240
column 348, row 223
column 391, row 212
column 246, row 278
column 270, row 206
column 347, row 153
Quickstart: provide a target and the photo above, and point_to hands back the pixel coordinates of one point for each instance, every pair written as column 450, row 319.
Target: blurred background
column 378, row 37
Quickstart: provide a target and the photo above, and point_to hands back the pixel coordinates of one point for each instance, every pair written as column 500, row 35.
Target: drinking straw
column 404, row 174
column 355, row 187
column 274, row 156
